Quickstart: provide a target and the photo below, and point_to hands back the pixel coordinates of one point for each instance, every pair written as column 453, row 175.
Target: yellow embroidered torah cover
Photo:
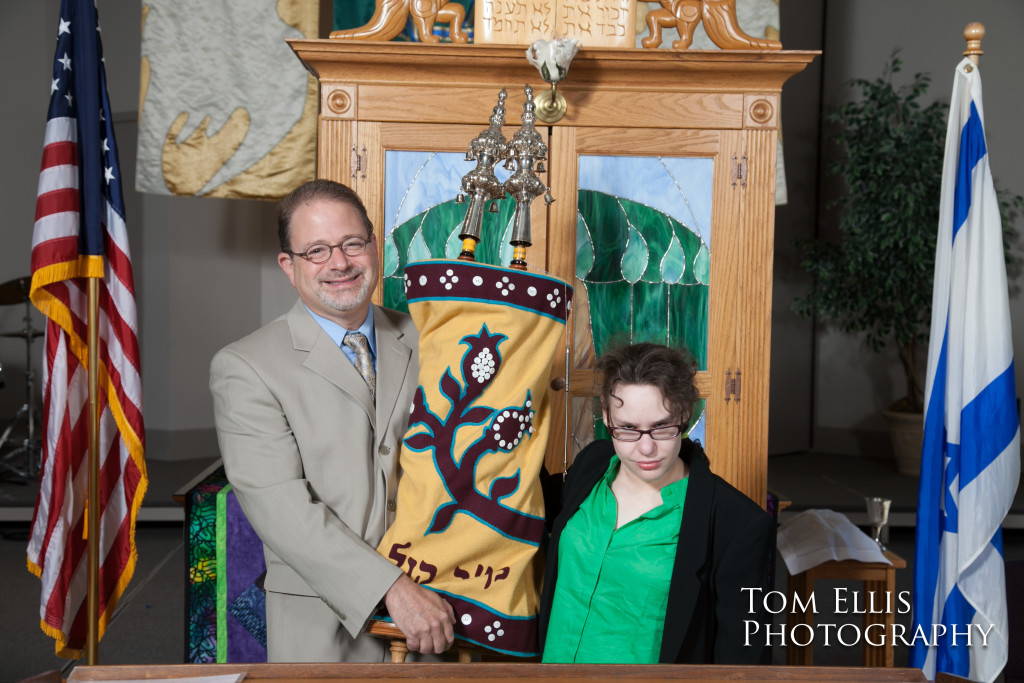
column 470, row 511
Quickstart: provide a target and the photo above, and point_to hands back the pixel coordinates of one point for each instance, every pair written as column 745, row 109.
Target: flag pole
column 93, row 636
column 973, row 33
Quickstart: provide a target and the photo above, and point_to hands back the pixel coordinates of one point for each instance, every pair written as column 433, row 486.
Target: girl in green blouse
column 651, row 551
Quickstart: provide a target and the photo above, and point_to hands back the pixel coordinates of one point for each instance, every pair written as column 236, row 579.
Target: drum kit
column 23, row 460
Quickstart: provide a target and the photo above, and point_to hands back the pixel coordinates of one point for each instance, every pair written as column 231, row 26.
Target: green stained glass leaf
column 635, row 256
column 390, row 257
column 438, row 224
column 402, row 236
column 418, row 249
column 673, row 263
column 453, row 247
column 656, row 228
column 702, row 266
column 692, row 245
column 608, row 231
column 584, row 249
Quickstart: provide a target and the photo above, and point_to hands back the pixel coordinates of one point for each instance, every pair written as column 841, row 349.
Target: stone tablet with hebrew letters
column 595, row 23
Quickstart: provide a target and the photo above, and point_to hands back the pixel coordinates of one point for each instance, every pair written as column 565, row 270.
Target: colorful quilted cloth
column 201, row 584
column 470, row 511
column 226, row 605
column 241, row 602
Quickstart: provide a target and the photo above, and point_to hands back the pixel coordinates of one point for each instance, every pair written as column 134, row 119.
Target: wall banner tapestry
column 470, row 510
column 225, row 108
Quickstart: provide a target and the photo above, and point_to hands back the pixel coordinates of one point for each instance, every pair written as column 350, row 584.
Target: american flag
column 79, row 234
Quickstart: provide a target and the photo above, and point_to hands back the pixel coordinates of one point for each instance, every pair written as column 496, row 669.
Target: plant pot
column 906, row 431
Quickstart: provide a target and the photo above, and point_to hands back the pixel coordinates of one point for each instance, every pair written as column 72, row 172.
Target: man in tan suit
column 310, row 411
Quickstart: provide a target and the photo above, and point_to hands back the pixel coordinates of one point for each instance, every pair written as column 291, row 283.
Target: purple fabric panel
column 246, row 618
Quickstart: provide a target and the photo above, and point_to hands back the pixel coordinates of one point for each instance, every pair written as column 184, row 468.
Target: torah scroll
column 470, row 511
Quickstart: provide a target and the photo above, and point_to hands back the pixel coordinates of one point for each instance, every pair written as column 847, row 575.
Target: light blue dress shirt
column 337, row 334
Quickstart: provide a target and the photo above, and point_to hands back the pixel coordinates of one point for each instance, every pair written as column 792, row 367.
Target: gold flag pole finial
column 973, row 34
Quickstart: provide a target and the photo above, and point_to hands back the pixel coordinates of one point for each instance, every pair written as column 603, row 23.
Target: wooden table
column 878, row 578
column 494, row 673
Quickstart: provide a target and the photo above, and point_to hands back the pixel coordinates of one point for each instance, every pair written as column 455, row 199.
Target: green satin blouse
column 612, row 591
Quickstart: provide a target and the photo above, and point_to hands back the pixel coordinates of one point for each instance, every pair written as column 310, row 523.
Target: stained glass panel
column 643, row 252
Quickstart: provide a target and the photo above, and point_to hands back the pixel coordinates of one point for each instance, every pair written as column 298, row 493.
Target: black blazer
column 725, row 544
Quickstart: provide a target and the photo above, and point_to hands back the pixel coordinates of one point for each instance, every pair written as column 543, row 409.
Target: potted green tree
column 876, row 280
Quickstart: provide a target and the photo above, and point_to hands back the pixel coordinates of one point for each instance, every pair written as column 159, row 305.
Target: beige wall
column 205, row 271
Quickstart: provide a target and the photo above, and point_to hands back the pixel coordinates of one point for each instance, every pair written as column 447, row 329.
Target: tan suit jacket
column 314, row 464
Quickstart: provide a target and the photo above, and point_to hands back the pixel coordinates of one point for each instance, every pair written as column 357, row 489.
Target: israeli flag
column 970, row 460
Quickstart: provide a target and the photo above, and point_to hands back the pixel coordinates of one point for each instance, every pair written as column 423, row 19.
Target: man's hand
column 426, row 619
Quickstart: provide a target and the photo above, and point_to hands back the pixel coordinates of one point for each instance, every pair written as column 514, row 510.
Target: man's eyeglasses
column 321, row 253
column 658, row 433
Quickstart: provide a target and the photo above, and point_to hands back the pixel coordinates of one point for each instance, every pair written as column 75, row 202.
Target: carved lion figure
column 720, row 22
column 390, row 16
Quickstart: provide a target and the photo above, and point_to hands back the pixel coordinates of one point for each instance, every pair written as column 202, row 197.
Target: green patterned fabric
column 201, row 520
column 222, row 579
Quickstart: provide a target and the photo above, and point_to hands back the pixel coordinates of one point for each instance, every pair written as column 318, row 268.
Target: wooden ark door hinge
column 358, row 162
column 739, row 170
column 732, row 386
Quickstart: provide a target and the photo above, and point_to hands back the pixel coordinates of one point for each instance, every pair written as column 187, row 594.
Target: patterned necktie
column 364, row 363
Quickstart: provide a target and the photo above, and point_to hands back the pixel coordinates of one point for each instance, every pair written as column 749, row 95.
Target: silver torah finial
column 552, row 58
column 481, row 184
column 527, row 153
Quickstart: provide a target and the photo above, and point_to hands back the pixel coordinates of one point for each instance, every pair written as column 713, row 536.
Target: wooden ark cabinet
column 710, row 113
